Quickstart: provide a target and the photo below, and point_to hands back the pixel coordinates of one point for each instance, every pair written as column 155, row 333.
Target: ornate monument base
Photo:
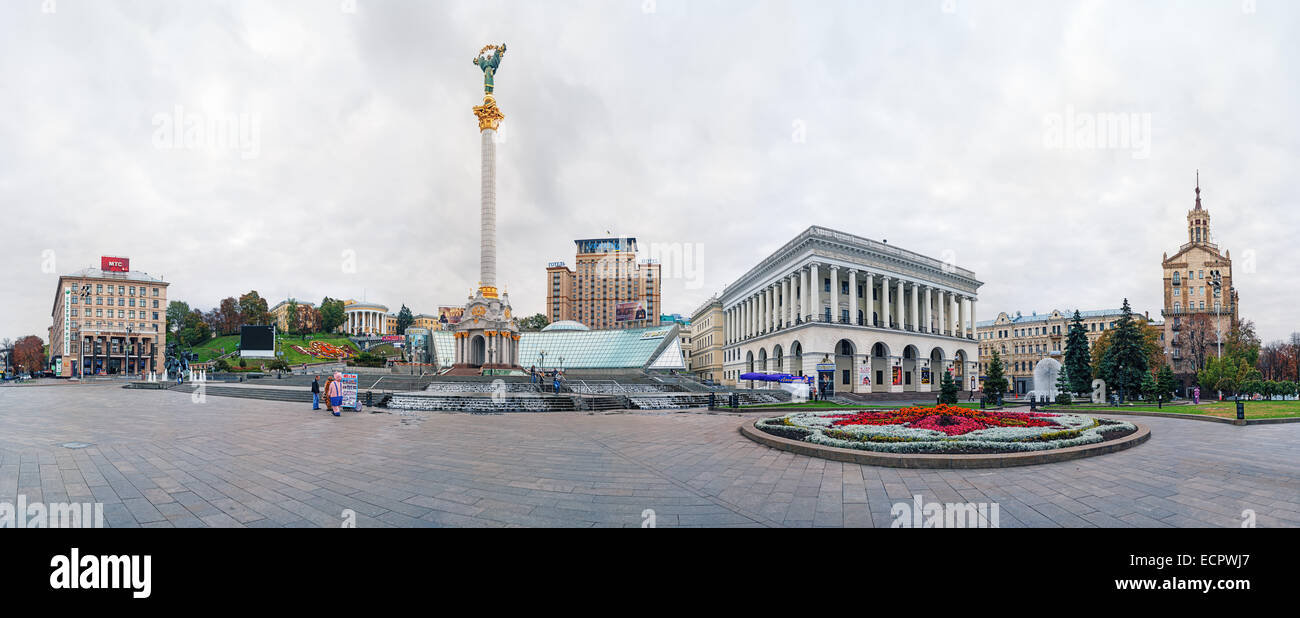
column 487, row 337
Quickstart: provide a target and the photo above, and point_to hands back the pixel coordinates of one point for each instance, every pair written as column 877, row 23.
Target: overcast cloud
column 722, row 127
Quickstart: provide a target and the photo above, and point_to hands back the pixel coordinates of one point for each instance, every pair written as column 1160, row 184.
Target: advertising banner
column 114, row 264
column 450, row 315
column 864, row 374
column 898, row 375
column 350, row 390
column 629, row 311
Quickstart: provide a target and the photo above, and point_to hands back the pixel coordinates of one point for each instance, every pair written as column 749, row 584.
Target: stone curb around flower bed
column 904, row 460
column 1190, row 417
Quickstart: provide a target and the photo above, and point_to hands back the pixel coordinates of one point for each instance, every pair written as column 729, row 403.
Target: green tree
column 536, row 321
column 1150, row 388
column 222, row 365
column 331, row 314
column 1078, row 360
column 948, row 389
column 1063, row 396
column 995, row 382
column 404, row 320
column 176, row 312
column 291, row 322
column 1165, row 383
column 1126, row 358
column 194, row 329
column 252, row 307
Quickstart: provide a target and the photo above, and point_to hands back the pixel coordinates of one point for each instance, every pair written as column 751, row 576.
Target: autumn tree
column 253, row 309
column 29, row 353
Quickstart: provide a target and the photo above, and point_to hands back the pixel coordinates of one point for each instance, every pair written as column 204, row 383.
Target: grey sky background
column 721, row 127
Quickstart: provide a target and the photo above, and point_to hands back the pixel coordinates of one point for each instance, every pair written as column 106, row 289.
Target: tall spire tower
column 487, row 337
column 1198, row 219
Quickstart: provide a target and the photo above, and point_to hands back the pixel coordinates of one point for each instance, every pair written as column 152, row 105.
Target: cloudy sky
column 713, row 129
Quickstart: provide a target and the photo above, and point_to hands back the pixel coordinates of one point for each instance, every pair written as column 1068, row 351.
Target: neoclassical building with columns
column 861, row 315
column 364, row 318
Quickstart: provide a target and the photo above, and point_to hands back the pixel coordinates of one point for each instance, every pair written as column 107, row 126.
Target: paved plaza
column 157, row 459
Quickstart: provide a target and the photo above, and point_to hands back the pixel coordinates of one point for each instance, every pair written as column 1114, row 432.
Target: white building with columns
column 861, row 315
column 362, row 318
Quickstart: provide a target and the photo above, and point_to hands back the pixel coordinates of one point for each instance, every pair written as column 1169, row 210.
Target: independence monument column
column 487, row 337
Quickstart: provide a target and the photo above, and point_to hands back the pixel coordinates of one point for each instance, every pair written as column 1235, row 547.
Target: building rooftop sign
column 114, row 264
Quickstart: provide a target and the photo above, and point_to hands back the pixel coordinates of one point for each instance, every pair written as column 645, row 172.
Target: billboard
column 450, row 315
column 114, row 264
column 629, row 311
column 257, row 341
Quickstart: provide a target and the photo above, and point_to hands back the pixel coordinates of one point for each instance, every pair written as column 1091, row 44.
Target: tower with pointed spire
column 1200, row 300
column 1198, row 218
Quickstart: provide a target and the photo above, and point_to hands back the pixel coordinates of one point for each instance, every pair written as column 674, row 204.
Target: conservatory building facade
column 860, row 315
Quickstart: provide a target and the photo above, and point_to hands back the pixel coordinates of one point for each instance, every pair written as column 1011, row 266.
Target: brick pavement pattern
column 158, row 459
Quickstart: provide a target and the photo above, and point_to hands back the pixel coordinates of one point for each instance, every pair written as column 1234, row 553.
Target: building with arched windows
column 861, row 315
column 1200, row 301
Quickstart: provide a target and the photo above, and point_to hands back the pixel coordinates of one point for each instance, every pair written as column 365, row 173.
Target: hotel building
column 609, row 287
column 108, row 320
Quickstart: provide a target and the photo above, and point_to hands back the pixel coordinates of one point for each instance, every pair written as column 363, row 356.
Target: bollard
column 1241, row 410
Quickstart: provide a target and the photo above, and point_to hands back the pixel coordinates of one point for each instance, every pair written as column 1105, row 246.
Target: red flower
column 951, row 420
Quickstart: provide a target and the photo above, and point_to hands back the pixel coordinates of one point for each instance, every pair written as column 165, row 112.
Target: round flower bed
column 945, row 429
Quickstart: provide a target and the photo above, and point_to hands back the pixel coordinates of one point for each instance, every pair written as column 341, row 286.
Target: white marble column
column 952, row 314
column 805, row 300
column 769, row 320
column 961, row 317
column 816, row 288
column 902, row 312
column 942, row 304
column 973, row 329
column 927, row 316
column 835, row 293
column 854, row 305
column 488, row 205
column 916, row 313
column 885, row 308
column 786, row 311
column 869, row 296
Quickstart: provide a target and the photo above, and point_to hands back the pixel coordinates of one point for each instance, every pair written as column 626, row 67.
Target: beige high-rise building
column 1200, row 301
column 708, row 336
column 607, row 288
column 108, row 320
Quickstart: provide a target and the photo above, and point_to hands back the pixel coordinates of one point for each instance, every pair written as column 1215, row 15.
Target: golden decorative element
column 489, row 115
column 487, row 291
column 507, row 313
column 478, row 311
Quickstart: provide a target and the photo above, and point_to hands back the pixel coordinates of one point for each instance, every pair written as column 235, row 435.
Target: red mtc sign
column 114, row 264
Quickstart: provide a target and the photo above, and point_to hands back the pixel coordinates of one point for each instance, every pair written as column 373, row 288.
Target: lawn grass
column 285, row 344
column 212, row 348
column 1221, row 409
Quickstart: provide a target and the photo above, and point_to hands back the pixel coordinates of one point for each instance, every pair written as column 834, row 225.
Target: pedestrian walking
column 315, row 392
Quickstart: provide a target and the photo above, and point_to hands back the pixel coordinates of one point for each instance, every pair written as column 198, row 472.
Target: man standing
column 315, row 392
